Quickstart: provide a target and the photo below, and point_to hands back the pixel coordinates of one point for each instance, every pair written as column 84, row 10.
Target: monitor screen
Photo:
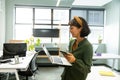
column 12, row 49
column 46, row 32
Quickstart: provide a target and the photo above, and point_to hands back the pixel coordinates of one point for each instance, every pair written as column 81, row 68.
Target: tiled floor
column 54, row 73
column 49, row 73
column 94, row 75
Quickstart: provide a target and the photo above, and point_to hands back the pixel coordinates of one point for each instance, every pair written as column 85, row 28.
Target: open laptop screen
column 12, row 49
column 46, row 51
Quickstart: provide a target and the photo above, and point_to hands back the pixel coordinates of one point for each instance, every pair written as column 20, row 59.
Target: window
column 42, row 16
column 82, row 13
column 96, row 32
column 95, row 19
column 23, row 23
column 51, row 18
column 27, row 15
column 61, row 18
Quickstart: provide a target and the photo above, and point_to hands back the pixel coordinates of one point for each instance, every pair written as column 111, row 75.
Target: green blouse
column 81, row 67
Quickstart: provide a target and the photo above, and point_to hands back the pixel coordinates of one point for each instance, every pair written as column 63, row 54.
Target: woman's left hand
column 70, row 57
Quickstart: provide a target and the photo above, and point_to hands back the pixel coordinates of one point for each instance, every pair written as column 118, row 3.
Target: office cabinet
column 99, row 48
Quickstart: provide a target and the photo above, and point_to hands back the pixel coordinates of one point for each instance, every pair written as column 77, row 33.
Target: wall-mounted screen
column 46, row 32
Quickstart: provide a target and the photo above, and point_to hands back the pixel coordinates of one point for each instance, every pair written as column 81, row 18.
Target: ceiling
column 73, row 3
column 67, row 3
column 91, row 2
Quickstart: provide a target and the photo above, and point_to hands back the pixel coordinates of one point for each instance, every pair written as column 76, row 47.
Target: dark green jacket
column 81, row 67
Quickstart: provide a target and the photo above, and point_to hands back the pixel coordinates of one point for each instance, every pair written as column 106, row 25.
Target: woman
column 80, row 49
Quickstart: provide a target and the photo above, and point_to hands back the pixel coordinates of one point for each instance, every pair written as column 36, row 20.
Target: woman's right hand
column 70, row 57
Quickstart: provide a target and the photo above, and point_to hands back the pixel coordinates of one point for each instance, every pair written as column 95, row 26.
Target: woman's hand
column 70, row 57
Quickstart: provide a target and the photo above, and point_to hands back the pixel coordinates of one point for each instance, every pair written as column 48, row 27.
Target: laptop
column 56, row 59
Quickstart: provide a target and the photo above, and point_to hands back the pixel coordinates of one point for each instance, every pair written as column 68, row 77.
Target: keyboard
column 57, row 59
column 5, row 61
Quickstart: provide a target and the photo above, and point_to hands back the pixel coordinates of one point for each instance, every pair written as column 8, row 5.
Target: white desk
column 23, row 65
column 108, row 56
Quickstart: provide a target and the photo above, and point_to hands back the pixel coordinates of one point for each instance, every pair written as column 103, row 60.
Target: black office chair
column 31, row 69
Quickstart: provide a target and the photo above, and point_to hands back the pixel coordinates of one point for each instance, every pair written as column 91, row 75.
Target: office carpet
column 54, row 73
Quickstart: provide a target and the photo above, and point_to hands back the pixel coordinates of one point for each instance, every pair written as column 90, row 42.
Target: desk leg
column 16, row 74
column 7, row 76
column 113, row 64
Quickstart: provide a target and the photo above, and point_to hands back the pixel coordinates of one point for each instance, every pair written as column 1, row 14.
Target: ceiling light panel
column 91, row 2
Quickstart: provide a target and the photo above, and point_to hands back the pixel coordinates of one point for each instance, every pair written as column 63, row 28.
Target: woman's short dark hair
column 80, row 22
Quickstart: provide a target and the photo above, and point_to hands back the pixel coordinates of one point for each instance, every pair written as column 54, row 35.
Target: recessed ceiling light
column 58, row 2
column 91, row 2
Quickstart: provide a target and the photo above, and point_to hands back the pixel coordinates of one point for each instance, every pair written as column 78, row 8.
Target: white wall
column 112, row 30
column 9, row 5
column 2, row 23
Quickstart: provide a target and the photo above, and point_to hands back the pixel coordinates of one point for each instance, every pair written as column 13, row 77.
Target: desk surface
column 106, row 56
column 24, row 62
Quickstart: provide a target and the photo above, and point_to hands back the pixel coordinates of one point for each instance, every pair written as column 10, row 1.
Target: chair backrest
column 31, row 69
column 33, row 65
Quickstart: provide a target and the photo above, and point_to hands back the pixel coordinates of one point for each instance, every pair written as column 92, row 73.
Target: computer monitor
column 12, row 49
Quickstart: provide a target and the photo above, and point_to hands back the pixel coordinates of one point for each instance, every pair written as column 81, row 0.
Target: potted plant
column 31, row 43
column 99, row 39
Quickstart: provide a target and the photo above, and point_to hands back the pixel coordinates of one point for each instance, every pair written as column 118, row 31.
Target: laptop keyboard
column 57, row 60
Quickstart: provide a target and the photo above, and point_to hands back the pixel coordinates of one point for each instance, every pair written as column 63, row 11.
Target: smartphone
column 63, row 52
